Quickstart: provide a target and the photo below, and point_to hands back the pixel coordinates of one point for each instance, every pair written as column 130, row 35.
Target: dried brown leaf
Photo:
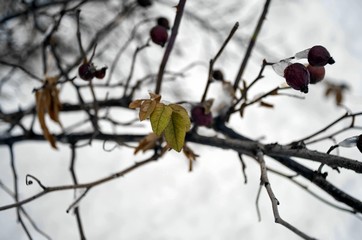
column 146, row 109
column 155, row 97
column 147, row 143
column 191, row 156
column 136, row 103
column 41, row 106
column 339, row 97
column 265, row 104
column 54, row 105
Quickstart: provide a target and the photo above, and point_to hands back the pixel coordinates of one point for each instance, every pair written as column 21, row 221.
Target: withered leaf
column 147, row 143
column 41, row 105
column 146, row 109
column 47, row 101
column 191, row 156
column 135, row 104
column 265, row 104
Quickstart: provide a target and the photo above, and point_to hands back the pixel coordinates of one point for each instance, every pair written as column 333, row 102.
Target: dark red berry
column 200, row 118
column 162, row 21
column 86, row 71
column 218, row 75
column 359, row 143
column 316, row 73
column 144, row 3
column 159, row 35
column 319, row 56
column 297, row 76
column 100, row 73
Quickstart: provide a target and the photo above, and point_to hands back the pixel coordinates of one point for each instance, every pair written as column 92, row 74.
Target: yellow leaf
column 182, row 111
column 160, row 118
column 175, row 131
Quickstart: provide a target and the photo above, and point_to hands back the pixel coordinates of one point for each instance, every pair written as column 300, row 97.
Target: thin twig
column 75, row 181
column 138, row 49
column 16, row 191
column 171, row 42
column 257, row 201
column 251, row 45
column 212, row 61
column 243, row 168
column 265, row 181
column 47, row 190
column 304, row 187
column 32, row 75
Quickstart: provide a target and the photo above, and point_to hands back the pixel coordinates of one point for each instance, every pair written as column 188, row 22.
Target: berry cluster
column 87, row 71
column 299, row 76
column 158, row 33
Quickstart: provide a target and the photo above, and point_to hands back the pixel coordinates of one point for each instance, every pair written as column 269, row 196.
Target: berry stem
column 179, row 12
column 251, row 44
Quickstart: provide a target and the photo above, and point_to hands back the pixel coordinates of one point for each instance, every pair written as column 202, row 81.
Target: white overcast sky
column 164, row 201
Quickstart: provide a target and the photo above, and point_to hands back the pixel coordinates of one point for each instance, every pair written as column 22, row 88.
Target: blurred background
column 163, row 200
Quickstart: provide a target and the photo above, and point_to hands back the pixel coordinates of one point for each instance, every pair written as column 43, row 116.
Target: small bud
column 162, row 21
column 144, row 3
column 297, row 77
column 316, row 74
column 86, row 71
column 159, row 35
column 200, row 118
column 319, row 56
column 100, row 73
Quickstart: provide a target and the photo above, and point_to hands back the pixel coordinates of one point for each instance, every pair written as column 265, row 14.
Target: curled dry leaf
column 337, row 91
column 265, row 104
column 147, row 143
column 191, row 156
column 146, row 106
column 47, row 101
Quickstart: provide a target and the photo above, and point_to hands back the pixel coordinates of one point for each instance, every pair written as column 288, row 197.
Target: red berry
column 144, row 3
column 159, row 35
column 162, row 21
column 218, row 75
column 200, row 118
column 297, row 76
column 316, row 73
column 86, row 71
column 319, row 56
column 100, row 73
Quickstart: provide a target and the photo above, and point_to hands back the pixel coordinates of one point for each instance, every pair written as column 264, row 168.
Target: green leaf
column 182, row 111
column 175, row 131
column 160, row 118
